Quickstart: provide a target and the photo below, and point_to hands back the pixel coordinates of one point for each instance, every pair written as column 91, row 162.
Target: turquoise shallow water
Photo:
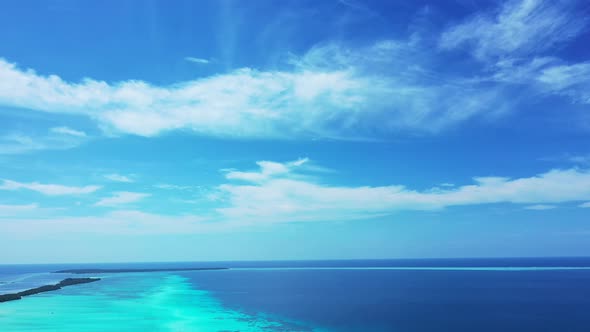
column 150, row 302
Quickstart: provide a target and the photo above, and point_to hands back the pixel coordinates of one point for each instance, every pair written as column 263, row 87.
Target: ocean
column 517, row 294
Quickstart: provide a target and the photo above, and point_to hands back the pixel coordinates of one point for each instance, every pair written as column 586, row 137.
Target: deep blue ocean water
column 369, row 295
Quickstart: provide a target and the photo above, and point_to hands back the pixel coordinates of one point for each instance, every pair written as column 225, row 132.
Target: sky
column 262, row 130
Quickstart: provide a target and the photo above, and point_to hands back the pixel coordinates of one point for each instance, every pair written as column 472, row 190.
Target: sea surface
column 517, row 294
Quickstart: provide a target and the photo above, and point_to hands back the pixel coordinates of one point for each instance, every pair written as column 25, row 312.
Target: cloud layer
column 278, row 193
column 336, row 90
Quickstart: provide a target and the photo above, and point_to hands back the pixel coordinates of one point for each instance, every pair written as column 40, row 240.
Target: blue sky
column 226, row 130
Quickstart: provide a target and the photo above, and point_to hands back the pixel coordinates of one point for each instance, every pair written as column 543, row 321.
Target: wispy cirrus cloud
column 546, row 75
column 57, row 138
column 68, row 131
column 168, row 186
column 118, row 178
column 48, row 189
column 519, row 28
column 517, row 44
column 122, row 197
column 197, row 60
column 571, row 80
column 540, row 207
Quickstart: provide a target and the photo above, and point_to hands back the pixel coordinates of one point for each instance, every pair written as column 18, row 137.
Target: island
column 75, row 281
column 46, row 288
column 89, row 271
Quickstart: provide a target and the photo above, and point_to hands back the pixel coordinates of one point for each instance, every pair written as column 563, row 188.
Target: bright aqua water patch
column 147, row 302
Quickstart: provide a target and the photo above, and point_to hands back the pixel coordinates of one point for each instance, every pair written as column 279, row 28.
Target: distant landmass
column 88, row 271
column 46, row 288
column 75, row 281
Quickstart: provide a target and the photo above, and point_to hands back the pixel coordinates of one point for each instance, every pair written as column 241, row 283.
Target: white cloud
column 331, row 91
column 518, row 28
column 197, row 60
column 286, row 197
column 585, row 205
column 168, row 186
column 540, row 207
column 565, row 76
column 521, row 71
column 118, row 178
column 268, row 169
column 121, row 197
column 571, row 80
column 542, row 76
column 282, row 194
column 48, row 189
column 68, row 131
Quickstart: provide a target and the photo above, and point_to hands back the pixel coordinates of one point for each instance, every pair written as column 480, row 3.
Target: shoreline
column 46, row 288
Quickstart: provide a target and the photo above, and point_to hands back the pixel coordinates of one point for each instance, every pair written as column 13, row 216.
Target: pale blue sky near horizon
column 231, row 130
